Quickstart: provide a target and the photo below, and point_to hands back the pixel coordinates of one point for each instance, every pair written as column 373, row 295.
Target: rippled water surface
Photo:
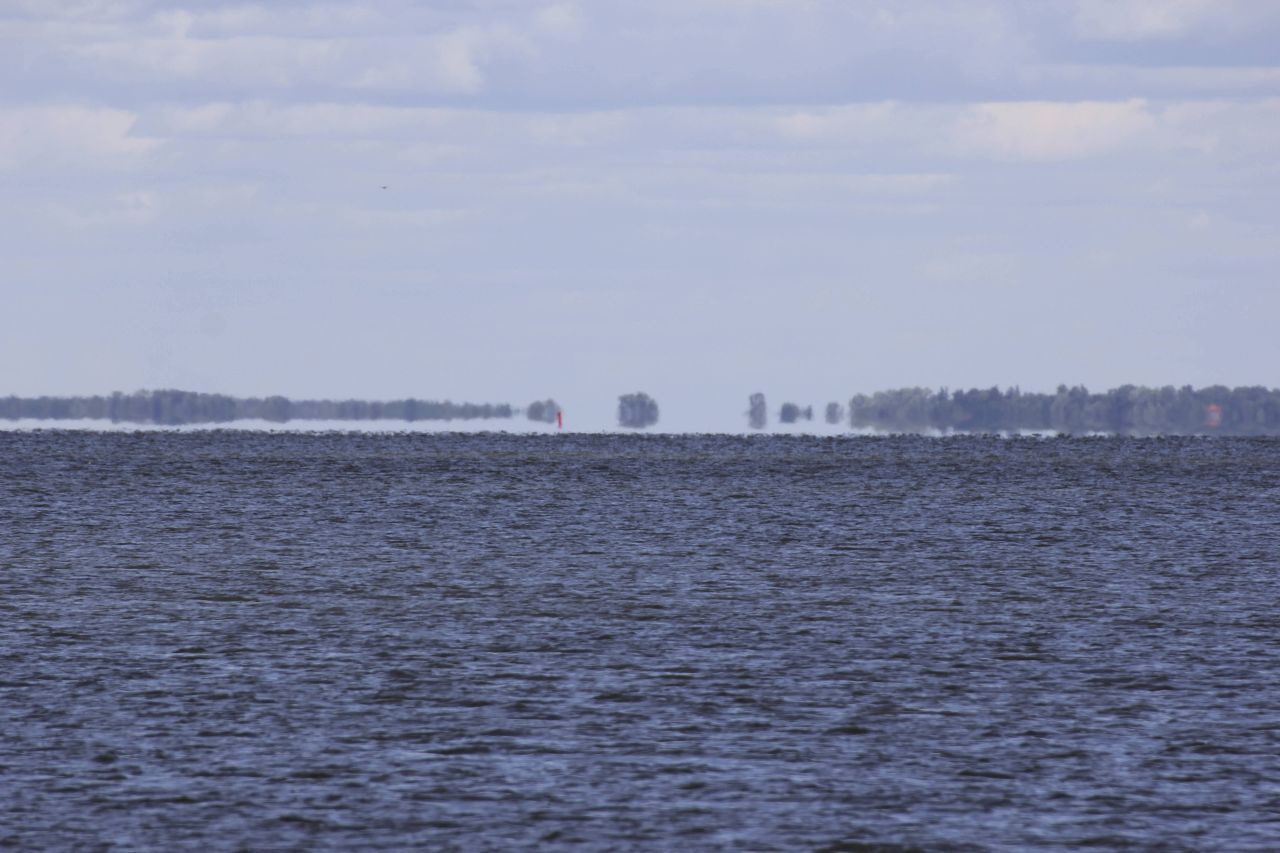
column 223, row 640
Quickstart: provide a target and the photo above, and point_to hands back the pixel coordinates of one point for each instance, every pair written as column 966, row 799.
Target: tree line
column 542, row 411
column 172, row 407
column 1128, row 410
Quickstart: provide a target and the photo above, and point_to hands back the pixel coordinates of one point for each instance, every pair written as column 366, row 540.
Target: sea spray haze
column 339, row 641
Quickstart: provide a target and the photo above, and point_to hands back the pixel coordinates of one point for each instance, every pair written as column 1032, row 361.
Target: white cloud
column 70, row 137
column 1180, row 81
column 316, row 20
column 843, row 124
column 561, row 20
column 1051, row 131
column 1000, row 130
column 278, row 49
column 630, row 53
column 78, row 10
column 457, row 60
column 899, row 137
column 450, row 63
column 132, row 208
column 264, row 60
column 1137, row 20
column 288, row 123
column 206, row 118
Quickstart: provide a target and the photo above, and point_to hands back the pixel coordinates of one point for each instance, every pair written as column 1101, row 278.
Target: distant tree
column 757, row 412
column 637, row 411
column 835, row 413
column 275, row 409
column 790, row 413
column 542, row 410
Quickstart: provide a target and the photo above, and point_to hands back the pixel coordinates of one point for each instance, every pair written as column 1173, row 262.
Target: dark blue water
column 282, row 641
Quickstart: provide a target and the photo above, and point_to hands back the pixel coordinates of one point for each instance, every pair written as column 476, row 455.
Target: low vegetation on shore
column 1128, row 410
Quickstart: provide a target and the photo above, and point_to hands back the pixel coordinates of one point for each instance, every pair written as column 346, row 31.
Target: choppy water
column 225, row 640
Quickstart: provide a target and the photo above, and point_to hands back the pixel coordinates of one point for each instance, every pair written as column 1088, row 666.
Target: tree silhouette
column 542, row 410
column 790, row 413
column 637, row 411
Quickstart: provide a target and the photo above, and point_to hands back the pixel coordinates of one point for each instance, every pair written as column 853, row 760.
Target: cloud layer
column 698, row 198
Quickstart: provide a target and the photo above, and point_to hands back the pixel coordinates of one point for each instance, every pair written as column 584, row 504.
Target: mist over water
column 379, row 641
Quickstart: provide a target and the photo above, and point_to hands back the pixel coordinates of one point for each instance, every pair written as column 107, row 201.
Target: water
column 222, row 640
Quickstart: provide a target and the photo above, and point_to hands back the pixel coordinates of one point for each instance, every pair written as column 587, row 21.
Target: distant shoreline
column 1128, row 410
column 181, row 408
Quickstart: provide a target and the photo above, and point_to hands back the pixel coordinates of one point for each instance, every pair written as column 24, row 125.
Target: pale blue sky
column 696, row 198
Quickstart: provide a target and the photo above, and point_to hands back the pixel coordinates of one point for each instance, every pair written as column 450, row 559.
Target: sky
column 492, row 200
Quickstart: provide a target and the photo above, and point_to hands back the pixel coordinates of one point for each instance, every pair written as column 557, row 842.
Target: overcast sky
column 694, row 198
